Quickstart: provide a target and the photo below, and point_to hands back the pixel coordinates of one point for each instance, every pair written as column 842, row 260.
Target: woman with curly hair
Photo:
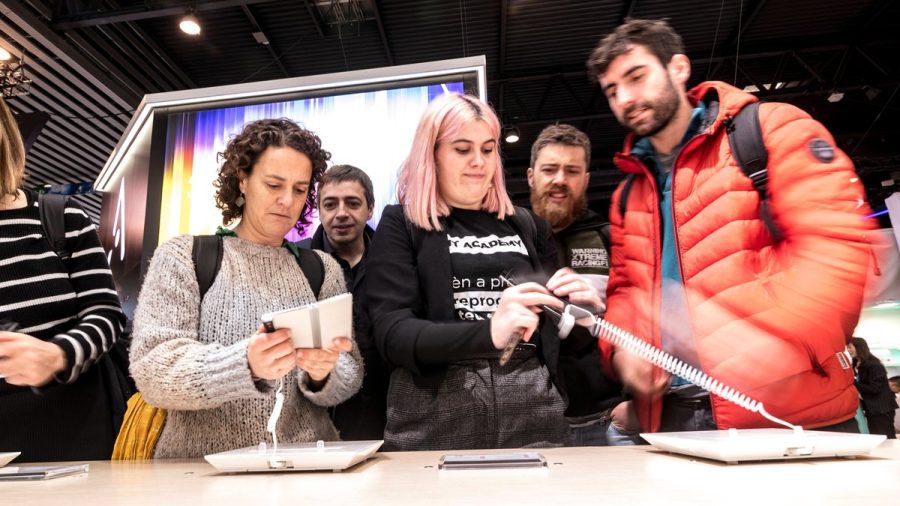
column 209, row 362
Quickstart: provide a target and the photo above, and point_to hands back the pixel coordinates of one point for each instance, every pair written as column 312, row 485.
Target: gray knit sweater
column 192, row 360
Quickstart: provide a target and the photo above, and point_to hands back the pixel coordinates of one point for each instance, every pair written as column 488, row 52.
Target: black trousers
column 680, row 414
column 881, row 423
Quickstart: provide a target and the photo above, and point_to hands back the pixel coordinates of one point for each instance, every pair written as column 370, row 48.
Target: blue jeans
column 600, row 432
column 682, row 413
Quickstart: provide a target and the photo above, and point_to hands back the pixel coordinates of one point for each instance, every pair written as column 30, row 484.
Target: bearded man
column 756, row 278
column 558, row 178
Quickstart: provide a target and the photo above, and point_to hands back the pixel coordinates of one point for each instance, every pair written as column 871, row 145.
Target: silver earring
column 239, row 201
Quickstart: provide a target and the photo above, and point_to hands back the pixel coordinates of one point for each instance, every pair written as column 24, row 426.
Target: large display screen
column 371, row 130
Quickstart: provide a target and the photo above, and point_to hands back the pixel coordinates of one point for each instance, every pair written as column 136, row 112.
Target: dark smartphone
column 267, row 323
column 488, row 461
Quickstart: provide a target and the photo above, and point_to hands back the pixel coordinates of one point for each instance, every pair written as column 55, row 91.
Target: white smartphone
column 315, row 325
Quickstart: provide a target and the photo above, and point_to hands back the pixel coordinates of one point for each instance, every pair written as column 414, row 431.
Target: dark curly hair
column 245, row 149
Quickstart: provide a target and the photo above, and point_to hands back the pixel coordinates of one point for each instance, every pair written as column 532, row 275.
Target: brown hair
column 566, row 135
column 862, row 349
column 655, row 34
column 12, row 152
column 243, row 151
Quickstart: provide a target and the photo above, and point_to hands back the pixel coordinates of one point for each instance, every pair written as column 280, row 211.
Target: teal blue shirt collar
column 644, row 150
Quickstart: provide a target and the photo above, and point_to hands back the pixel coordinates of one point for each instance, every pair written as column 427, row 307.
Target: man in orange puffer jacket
column 694, row 269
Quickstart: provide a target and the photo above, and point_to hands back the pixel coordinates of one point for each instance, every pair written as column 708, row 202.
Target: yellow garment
column 140, row 430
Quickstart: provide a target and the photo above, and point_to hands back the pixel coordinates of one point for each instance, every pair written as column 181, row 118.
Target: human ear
column 679, row 69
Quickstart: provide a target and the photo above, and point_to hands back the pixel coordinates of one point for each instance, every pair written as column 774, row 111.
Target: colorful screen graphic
column 371, row 130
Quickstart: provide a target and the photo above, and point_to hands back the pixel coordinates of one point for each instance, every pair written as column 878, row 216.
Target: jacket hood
column 722, row 100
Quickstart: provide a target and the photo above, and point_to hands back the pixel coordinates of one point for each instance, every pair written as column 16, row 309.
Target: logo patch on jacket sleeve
column 844, row 359
column 821, row 150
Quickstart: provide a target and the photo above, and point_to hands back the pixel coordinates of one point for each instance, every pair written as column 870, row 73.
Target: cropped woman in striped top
column 58, row 317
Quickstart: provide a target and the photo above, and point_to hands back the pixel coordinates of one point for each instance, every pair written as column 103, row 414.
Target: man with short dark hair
column 346, row 203
column 558, row 178
column 895, row 387
column 754, row 281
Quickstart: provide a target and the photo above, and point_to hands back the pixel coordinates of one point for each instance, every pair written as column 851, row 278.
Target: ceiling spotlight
column 835, row 96
column 512, row 135
column 189, row 24
column 5, row 55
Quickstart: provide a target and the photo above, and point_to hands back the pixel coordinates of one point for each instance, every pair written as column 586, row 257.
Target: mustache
column 556, row 189
column 634, row 107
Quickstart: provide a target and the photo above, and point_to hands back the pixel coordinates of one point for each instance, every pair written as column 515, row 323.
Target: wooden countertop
column 631, row 476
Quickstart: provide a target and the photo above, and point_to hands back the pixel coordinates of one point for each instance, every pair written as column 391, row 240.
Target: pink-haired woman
column 438, row 296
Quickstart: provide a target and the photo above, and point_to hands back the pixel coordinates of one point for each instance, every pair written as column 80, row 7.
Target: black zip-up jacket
column 589, row 390
column 361, row 417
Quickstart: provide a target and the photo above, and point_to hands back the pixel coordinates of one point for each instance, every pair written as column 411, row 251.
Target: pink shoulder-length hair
column 417, row 187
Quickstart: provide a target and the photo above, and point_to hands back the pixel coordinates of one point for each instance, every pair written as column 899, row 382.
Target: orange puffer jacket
column 768, row 319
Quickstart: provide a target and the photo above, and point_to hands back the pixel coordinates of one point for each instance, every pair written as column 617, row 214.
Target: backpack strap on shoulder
column 313, row 268
column 207, row 257
column 748, row 147
column 623, row 197
column 52, row 209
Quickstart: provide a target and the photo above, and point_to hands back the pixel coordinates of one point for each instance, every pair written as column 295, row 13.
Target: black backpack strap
column 52, row 209
column 207, row 257
column 313, row 268
column 749, row 149
column 623, row 197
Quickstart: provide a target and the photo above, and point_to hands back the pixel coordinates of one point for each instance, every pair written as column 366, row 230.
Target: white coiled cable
column 646, row 351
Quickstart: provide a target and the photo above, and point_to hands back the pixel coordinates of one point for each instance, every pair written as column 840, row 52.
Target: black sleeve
column 872, row 377
column 397, row 305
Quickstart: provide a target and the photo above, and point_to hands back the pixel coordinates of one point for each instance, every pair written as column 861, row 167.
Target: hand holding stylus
column 577, row 289
column 516, row 316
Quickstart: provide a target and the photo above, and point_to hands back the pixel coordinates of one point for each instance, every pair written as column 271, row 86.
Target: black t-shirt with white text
column 485, row 253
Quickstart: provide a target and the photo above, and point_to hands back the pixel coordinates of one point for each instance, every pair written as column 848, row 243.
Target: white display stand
column 733, row 446
column 334, row 456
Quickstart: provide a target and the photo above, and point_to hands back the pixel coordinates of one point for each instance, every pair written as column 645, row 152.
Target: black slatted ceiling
column 106, row 69
column 533, row 43
column 777, row 20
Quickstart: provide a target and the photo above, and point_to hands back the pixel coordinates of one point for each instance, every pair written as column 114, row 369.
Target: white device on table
column 741, row 445
column 315, row 325
column 333, row 455
column 732, row 445
column 7, row 457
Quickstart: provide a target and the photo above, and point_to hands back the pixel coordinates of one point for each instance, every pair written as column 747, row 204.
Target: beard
column 559, row 216
column 662, row 111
